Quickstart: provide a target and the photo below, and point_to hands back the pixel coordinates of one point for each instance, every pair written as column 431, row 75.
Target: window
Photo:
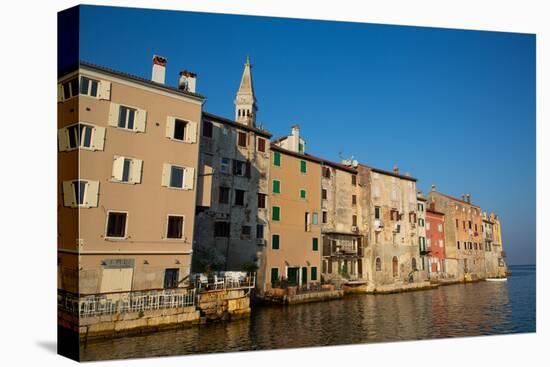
column 277, row 159
column 353, row 199
column 261, row 145
column 326, row 172
column 276, row 187
column 475, row 227
column 241, row 168
column 70, row 88
column 127, row 170
column 224, row 195
column 354, row 220
column 275, row 242
column 126, row 118
column 325, row 217
column 225, row 165
column 315, row 244
column 378, row 264
column 420, row 207
column 306, row 222
column 80, row 136
column 171, row 278
column 456, row 223
column 207, row 129
column 116, row 225
column 242, row 139
column 376, row 212
column 246, row 231
column 463, row 225
column 239, row 197
column 88, row 87
column 80, row 193
column 275, row 213
column 458, row 245
column 313, row 273
column 274, row 275
column 394, row 214
column 315, row 219
column 174, row 228
column 324, row 194
column 412, row 217
column 300, row 147
column 302, row 194
column 261, row 200
column 260, row 231
column 176, row 176
column 354, row 180
column 221, row 229
column 421, row 222
column 413, row 263
column 469, row 224
column 303, row 166
column 180, row 127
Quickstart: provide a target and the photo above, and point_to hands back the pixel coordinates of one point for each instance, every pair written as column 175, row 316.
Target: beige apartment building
column 390, row 216
column 464, row 247
column 293, row 250
column 232, row 211
column 128, row 154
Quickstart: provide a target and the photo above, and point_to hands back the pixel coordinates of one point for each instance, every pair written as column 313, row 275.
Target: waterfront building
column 464, row 251
column 128, row 153
column 423, row 246
column 293, row 250
column 232, row 204
column 435, row 233
column 497, row 245
column 390, row 217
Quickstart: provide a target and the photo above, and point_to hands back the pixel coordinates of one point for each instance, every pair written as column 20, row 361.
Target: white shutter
column 92, row 193
column 189, row 178
column 99, row 138
column 60, row 93
column 136, row 171
column 114, row 110
column 63, row 139
column 118, row 167
column 166, row 167
column 191, row 132
column 69, row 199
column 140, row 119
column 104, row 90
column 170, row 123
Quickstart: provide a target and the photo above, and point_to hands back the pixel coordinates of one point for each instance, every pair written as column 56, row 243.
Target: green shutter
column 315, row 244
column 313, row 273
column 303, row 167
column 275, row 213
column 275, row 242
column 277, row 159
column 302, row 194
column 274, row 275
column 276, row 186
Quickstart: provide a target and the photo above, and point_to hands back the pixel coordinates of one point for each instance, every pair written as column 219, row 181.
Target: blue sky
column 452, row 107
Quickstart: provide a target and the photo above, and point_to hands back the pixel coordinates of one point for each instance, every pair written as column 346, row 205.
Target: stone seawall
column 224, row 305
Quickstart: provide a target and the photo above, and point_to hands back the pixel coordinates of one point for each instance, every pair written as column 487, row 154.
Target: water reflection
column 483, row 308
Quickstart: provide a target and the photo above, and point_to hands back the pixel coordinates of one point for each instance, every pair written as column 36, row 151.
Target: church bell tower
column 245, row 101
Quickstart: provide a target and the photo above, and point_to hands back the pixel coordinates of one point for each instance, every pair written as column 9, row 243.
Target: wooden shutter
column 104, row 90
column 191, row 132
column 189, row 178
column 118, row 167
column 140, row 120
column 170, row 123
column 114, row 110
column 99, row 138
column 92, row 194
column 60, row 93
column 69, row 198
column 63, row 139
column 166, row 167
column 136, row 171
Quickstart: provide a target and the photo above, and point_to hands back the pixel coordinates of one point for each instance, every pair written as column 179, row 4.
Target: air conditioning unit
column 260, row 241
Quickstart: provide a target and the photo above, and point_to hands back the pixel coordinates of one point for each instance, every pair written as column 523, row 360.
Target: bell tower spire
column 245, row 101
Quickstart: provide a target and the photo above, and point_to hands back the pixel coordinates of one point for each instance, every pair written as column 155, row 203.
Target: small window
column 70, row 88
column 303, row 166
column 458, row 245
column 413, row 264
column 246, row 231
column 274, row 275
column 376, row 212
column 420, row 207
column 469, row 224
column 325, row 217
column 177, row 177
column 174, row 229
column 224, row 195
column 276, row 213
column 240, row 168
column 378, row 264
column 260, row 231
column 79, row 188
column 354, row 220
column 262, row 200
column 315, row 244
column 80, row 136
column 394, row 214
column 302, row 194
column 261, row 145
column 315, row 218
column 225, row 166
column 126, row 118
column 326, row 172
column 306, row 222
column 277, row 159
column 242, row 139
column 456, row 221
column 207, row 129
column 313, row 273
column 116, row 225
column 180, row 128
column 171, row 278
column 353, row 199
column 239, row 197
column 354, row 180
column 88, row 87
column 324, row 194
column 126, row 170
column 276, row 187
column 275, row 242
column 421, row 222
column 221, row 229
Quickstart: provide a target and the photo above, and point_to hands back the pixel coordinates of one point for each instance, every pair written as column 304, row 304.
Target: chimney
column 395, row 169
column 468, row 198
column 159, row 69
column 433, row 187
column 463, row 197
column 188, row 81
column 295, row 133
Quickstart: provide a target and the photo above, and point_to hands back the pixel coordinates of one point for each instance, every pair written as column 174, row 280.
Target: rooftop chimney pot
column 188, row 81
column 433, row 187
column 159, row 69
column 395, row 169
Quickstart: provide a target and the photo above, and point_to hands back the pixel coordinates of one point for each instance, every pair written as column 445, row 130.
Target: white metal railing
column 230, row 280
column 124, row 302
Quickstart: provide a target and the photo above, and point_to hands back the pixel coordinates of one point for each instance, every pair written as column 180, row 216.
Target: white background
column 28, row 178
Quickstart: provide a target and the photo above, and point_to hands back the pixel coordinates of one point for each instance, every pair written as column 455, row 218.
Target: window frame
column 278, row 219
column 239, row 192
column 278, row 186
column 239, row 135
column 261, row 143
column 126, row 224
column 90, row 86
column 172, row 166
column 273, row 236
column 228, row 165
column 127, row 118
column 277, row 159
column 204, row 124
column 303, row 166
column 185, row 132
column 182, row 238
column 227, row 224
column 79, row 136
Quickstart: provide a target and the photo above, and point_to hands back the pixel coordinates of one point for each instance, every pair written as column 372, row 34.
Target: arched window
column 413, row 264
column 378, row 264
column 394, row 266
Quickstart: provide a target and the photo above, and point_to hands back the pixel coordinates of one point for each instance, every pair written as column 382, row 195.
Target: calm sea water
column 484, row 308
